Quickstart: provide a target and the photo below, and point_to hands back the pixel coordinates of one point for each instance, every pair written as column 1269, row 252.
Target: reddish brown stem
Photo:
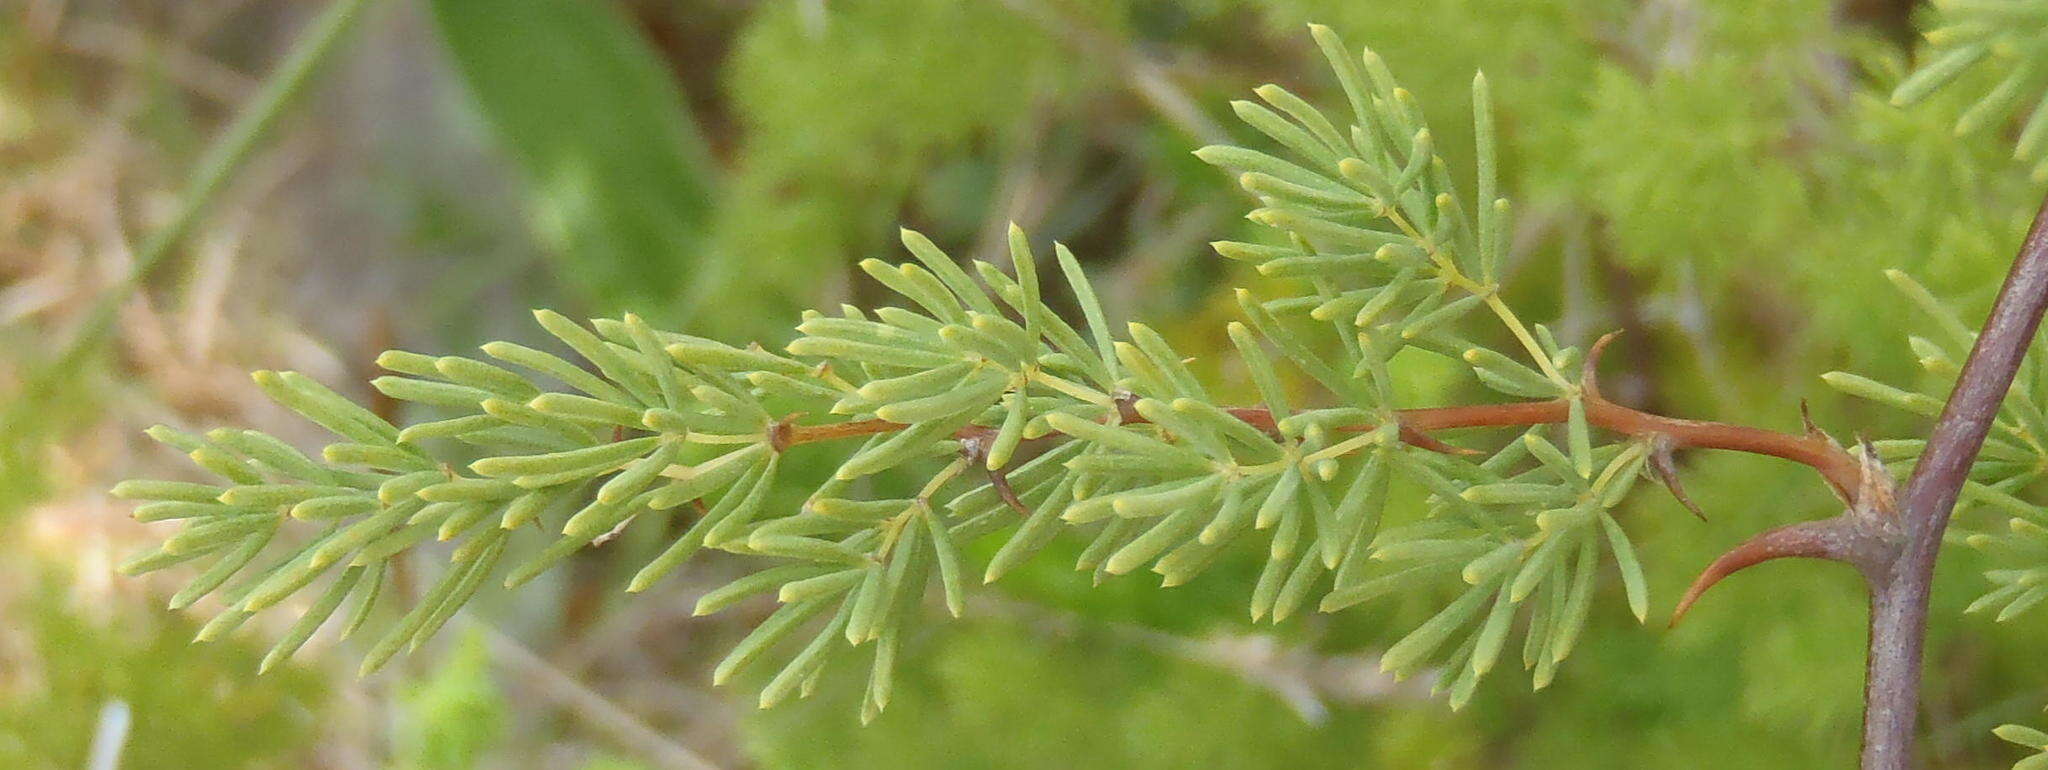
column 809, row 434
column 1836, row 466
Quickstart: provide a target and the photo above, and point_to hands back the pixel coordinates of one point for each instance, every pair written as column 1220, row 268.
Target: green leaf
column 949, row 561
column 2022, row 735
column 1413, row 649
column 1536, row 567
column 866, row 602
column 1486, row 647
column 1571, row 617
column 806, row 662
column 1169, row 532
column 311, row 619
column 1937, row 73
column 830, row 583
column 1631, row 569
column 1579, row 435
column 1866, row 388
column 1038, row 529
column 772, row 630
column 1306, row 576
column 1091, row 308
column 618, row 180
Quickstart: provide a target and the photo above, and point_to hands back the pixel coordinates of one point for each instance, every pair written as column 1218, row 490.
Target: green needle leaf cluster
column 980, row 413
column 2015, row 36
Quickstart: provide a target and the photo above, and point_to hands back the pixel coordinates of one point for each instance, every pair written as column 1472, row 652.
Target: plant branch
column 1898, row 606
column 1837, row 467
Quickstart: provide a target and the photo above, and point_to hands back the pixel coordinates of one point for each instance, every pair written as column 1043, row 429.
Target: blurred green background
column 1720, row 178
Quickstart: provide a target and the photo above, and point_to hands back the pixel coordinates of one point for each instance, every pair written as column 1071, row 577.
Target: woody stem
column 1898, row 600
column 1835, row 466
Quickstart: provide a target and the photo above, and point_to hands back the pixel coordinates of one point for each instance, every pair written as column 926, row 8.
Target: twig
column 1840, row 469
column 1898, row 602
column 592, row 707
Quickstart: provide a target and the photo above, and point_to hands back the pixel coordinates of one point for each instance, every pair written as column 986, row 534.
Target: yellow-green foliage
column 1380, row 252
column 1741, row 161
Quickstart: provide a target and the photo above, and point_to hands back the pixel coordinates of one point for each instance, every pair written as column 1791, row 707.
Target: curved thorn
column 974, row 445
column 1806, row 419
column 1589, row 372
column 1001, row 483
column 1831, row 538
column 1666, row 469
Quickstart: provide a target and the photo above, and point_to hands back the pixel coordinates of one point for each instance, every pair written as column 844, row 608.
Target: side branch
column 1835, row 465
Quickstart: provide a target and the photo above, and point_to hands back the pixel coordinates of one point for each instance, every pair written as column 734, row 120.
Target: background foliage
column 1723, row 180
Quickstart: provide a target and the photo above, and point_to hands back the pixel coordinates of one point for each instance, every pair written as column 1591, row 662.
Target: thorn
column 1806, row 419
column 1589, row 372
column 1666, row 468
column 1874, row 490
column 1814, row 433
column 1838, row 538
column 1002, row 485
